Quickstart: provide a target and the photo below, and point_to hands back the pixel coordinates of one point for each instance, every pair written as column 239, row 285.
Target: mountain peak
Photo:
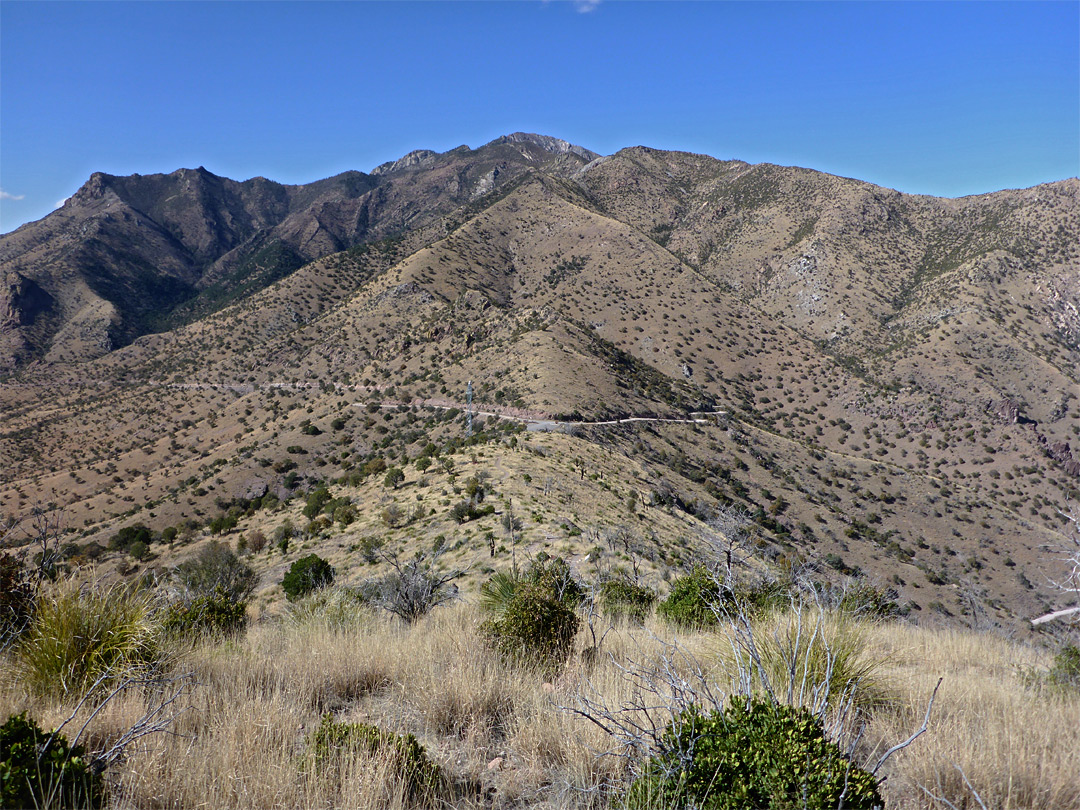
column 547, row 143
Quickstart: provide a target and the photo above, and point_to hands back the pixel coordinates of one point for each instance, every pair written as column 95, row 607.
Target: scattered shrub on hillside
column 306, row 575
column 394, row 476
column 128, row 536
column 693, row 600
column 40, row 770
column 316, row 500
column 868, row 601
column 533, row 626
column 216, row 568
column 210, row 614
column 409, row 761
column 700, row 598
column 80, row 635
column 620, row 599
column 413, row 590
column 754, row 754
column 467, row 510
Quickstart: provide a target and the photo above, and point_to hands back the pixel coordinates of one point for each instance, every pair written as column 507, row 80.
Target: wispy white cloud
column 585, row 6
column 60, row 203
column 5, row 196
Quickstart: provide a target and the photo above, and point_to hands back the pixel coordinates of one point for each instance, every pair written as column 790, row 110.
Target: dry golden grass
column 502, row 737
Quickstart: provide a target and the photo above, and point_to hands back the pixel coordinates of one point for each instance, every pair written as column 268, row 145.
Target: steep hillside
column 887, row 385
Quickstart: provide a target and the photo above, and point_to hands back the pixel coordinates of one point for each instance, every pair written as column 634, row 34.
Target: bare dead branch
column 913, row 737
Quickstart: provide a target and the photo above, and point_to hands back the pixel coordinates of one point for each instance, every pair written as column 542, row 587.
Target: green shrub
column 752, row 756
column 699, row 599
column 467, row 510
column 36, row 771
column 213, row 614
column 533, row 627
column 620, row 599
column 692, row 600
column 306, row 575
column 409, row 761
column 216, row 569
column 129, row 535
column 80, row 635
column 553, row 574
column 869, row 601
column 316, row 501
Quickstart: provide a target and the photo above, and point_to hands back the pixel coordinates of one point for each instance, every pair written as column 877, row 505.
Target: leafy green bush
column 553, row 574
column 751, row 756
column 318, row 498
column 306, row 575
column 213, row 614
column 692, row 600
column 408, row 759
column 534, row 627
column 129, row 535
column 79, row 635
column 36, row 771
column 467, row 510
column 620, row 599
column 700, row 598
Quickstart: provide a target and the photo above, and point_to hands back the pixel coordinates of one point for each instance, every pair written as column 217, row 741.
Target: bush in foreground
column 534, row 627
column 40, row 770
column 620, row 599
column 753, row 755
column 214, row 614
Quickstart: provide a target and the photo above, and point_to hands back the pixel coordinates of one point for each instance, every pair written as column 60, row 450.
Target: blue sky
column 926, row 97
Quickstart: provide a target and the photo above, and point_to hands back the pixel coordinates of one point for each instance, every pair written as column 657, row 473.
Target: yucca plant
column 497, row 592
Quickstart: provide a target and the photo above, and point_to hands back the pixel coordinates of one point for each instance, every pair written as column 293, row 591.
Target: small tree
column 306, row 575
column 216, row 570
column 394, row 476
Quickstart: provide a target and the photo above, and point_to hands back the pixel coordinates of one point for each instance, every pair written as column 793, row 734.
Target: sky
column 935, row 98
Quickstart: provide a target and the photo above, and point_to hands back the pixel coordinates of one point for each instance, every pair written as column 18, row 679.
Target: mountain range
column 888, row 385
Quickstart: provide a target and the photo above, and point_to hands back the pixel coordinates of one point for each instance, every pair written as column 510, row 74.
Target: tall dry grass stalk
column 498, row 733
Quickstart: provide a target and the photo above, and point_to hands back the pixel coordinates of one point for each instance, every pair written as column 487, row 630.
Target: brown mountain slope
column 898, row 376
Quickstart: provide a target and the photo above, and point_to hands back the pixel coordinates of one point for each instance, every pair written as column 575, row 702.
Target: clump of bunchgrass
column 334, row 608
column 83, row 636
